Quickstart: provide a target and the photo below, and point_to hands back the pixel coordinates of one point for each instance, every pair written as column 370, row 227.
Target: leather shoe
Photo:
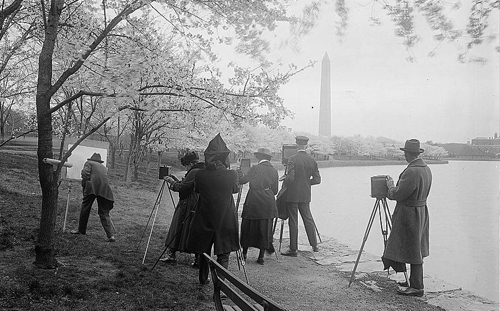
column 315, row 248
column 75, row 232
column 410, row 291
column 403, row 284
column 260, row 261
column 111, row 239
column 290, row 253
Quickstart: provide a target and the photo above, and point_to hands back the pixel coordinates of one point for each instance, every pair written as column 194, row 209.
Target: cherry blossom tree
column 78, row 41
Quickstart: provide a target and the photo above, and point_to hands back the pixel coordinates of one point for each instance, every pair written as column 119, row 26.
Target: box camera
column 379, row 186
column 245, row 165
column 286, row 152
column 164, row 171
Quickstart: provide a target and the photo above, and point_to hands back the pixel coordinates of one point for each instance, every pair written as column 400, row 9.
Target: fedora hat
column 413, row 146
column 264, row 153
column 96, row 157
column 301, row 140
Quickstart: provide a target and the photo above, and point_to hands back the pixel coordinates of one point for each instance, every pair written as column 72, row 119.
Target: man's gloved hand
column 389, row 182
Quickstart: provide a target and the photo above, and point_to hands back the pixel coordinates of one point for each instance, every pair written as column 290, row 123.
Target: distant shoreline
column 345, row 163
column 340, row 163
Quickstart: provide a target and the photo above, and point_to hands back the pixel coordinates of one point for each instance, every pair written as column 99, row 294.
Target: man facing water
column 408, row 241
column 301, row 173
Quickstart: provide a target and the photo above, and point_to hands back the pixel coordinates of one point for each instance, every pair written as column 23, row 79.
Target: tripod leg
column 281, row 234
column 171, row 197
column 151, row 233
column 365, row 237
column 157, row 202
column 274, row 225
column 317, row 232
column 406, row 278
column 67, row 207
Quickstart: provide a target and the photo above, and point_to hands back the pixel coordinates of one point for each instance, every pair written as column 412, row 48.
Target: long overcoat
column 260, row 202
column 215, row 220
column 302, row 173
column 184, row 211
column 95, row 180
column 408, row 241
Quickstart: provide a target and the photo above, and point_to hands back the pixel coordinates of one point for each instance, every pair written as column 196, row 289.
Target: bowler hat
column 96, row 157
column 301, row 140
column 413, row 146
column 264, row 153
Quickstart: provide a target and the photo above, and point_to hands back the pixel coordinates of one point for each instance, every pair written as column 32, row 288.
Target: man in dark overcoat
column 408, row 241
column 302, row 173
column 95, row 185
column 215, row 221
column 259, row 208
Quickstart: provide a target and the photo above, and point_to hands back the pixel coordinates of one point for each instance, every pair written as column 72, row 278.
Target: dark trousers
column 204, row 269
column 417, row 276
column 104, row 206
column 293, row 223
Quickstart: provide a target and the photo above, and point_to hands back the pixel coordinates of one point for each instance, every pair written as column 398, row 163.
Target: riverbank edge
column 450, row 297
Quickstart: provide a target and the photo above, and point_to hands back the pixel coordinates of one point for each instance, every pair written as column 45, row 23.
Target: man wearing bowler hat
column 95, row 185
column 302, row 173
column 408, row 241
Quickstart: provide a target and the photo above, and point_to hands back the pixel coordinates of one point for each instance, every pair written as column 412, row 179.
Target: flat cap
column 301, row 140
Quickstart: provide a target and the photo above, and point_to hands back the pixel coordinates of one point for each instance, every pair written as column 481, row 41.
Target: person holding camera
column 215, row 222
column 259, row 208
column 301, row 173
column 95, row 184
column 183, row 214
column 408, row 241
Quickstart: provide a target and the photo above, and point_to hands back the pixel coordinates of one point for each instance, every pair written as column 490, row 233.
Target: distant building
column 489, row 145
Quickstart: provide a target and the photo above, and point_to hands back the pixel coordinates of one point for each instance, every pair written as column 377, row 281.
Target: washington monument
column 325, row 101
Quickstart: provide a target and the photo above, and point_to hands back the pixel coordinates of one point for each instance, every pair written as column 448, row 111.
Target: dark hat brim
column 264, row 155
column 100, row 161
column 412, row 151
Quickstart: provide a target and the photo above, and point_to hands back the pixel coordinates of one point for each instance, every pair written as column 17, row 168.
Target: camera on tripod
column 164, row 171
column 379, row 186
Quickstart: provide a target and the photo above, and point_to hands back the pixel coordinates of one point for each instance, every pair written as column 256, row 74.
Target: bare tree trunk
column 128, row 162
column 159, row 160
column 44, row 247
column 148, row 160
column 112, row 153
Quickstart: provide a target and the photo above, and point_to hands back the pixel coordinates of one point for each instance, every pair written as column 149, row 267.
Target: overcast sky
column 377, row 92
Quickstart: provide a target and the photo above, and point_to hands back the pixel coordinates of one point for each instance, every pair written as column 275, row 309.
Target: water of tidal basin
column 464, row 205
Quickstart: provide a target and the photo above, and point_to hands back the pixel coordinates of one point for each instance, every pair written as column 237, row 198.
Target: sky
column 376, row 91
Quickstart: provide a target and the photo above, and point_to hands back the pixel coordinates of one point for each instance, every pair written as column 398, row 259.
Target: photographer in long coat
column 408, row 241
column 185, row 209
column 259, row 208
column 215, row 222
